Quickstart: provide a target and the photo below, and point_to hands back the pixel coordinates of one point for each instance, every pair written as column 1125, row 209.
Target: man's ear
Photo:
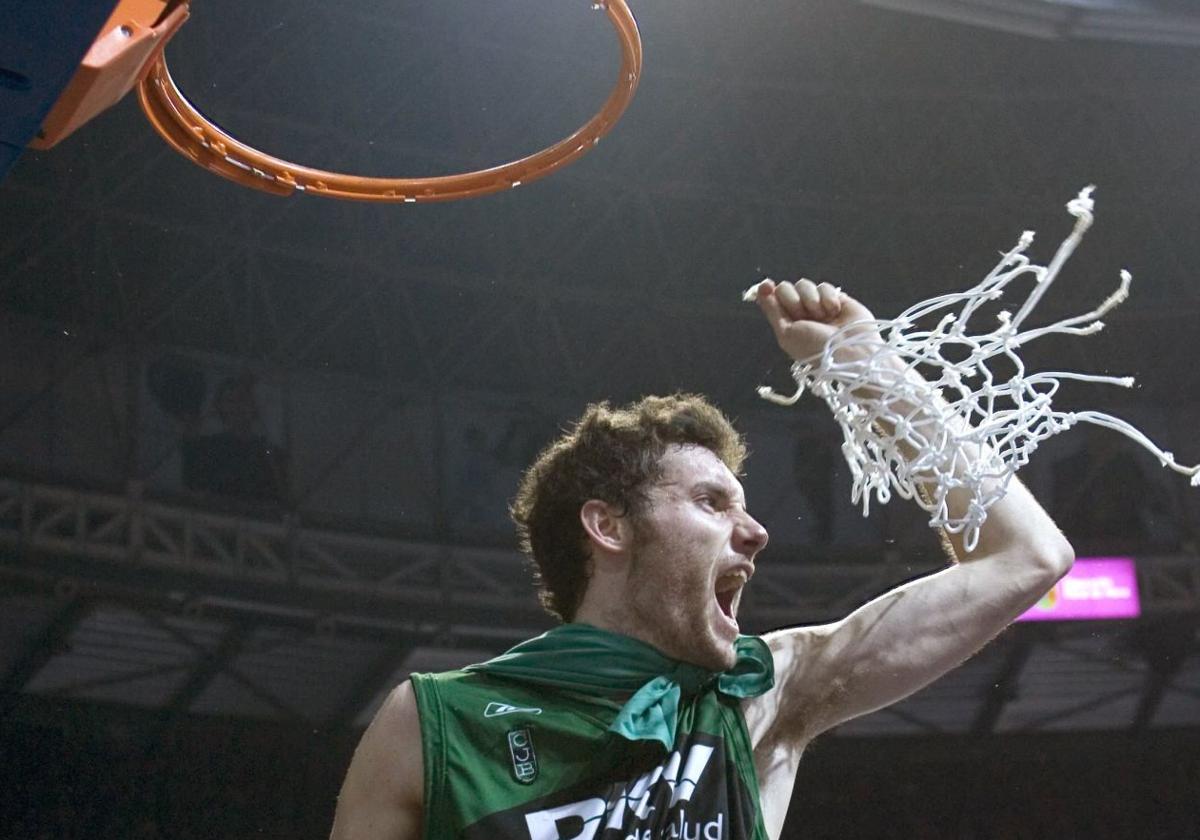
column 607, row 531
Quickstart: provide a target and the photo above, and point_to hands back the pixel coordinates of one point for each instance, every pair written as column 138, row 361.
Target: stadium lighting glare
column 1136, row 21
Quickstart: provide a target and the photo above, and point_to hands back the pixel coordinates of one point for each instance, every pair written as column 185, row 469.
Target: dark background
column 255, row 452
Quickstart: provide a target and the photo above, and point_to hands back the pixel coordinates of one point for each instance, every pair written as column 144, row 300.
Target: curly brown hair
column 612, row 455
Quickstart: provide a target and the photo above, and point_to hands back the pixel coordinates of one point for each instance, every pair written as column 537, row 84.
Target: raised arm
column 382, row 796
column 908, row 637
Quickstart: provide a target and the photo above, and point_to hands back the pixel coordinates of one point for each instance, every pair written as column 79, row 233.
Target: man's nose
column 750, row 537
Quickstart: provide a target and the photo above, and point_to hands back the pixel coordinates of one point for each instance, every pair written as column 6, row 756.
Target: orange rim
column 193, row 135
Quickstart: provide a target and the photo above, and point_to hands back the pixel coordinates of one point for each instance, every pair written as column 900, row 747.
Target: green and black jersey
column 504, row 759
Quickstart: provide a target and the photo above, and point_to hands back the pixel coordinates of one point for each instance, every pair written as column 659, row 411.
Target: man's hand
column 804, row 315
column 901, row 641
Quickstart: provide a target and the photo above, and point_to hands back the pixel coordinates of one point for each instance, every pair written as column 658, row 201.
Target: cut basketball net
column 962, row 427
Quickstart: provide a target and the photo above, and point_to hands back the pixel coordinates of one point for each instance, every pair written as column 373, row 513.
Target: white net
column 952, row 416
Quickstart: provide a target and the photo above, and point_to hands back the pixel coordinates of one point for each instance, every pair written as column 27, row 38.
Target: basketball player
column 646, row 714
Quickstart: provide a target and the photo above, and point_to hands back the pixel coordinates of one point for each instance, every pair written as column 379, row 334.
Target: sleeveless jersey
column 505, row 760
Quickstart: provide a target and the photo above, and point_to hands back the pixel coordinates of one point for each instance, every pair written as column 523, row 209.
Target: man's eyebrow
column 717, row 489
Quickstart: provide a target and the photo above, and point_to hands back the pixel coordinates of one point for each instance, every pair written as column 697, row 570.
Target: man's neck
column 615, row 618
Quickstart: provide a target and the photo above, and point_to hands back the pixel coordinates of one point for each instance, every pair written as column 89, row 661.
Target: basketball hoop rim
column 193, row 135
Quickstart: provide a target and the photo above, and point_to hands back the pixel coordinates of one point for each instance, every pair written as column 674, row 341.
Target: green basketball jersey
column 505, row 759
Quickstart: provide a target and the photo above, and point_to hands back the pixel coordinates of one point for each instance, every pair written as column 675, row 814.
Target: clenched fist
column 804, row 315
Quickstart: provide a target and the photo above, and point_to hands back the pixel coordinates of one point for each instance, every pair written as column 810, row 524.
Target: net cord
column 962, row 428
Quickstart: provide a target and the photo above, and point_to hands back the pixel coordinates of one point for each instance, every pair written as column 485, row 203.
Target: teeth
column 731, row 581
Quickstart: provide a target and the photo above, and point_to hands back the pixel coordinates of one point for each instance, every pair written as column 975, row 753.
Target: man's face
column 694, row 548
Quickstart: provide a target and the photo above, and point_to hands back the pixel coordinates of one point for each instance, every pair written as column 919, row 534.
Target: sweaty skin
column 674, row 576
column 656, row 576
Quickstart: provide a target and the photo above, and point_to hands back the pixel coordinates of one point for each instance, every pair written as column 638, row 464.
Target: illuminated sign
column 1099, row 587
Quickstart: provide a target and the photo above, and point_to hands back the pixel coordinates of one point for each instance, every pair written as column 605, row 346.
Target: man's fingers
column 789, row 301
column 804, row 300
column 773, row 310
column 831, row 299
column 810, row 298
column 764, row 286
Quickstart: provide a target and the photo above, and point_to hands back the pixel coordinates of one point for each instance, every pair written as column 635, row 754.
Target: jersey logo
column 694, row 793
column 524, row 759
column 655, row 805
column 497, row 709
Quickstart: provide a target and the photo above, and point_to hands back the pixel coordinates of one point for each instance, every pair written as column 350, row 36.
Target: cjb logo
column 524, row 759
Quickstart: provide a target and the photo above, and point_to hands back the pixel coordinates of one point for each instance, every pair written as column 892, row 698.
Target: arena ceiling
column 405, row 353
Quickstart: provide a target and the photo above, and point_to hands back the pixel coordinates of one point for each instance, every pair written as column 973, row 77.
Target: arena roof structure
column 406, row 364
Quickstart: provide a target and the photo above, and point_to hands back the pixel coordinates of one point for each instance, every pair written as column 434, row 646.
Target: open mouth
column 728, row 589
column 725, row 601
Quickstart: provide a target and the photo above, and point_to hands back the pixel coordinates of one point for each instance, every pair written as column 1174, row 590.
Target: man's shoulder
column 383, row 794
column 478, row 691
column 463, row 680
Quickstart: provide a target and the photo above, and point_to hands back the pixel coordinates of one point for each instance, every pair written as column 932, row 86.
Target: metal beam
column 1164, row 644
column 78, row 688
column 1004, row 688
column 214, row 664
column 1148, row 703
column 363, row 691
column 127, row 541
column 40, row 651
column 1085, row 706
column 386, row 626
column 928, row 726
column 207, row 667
